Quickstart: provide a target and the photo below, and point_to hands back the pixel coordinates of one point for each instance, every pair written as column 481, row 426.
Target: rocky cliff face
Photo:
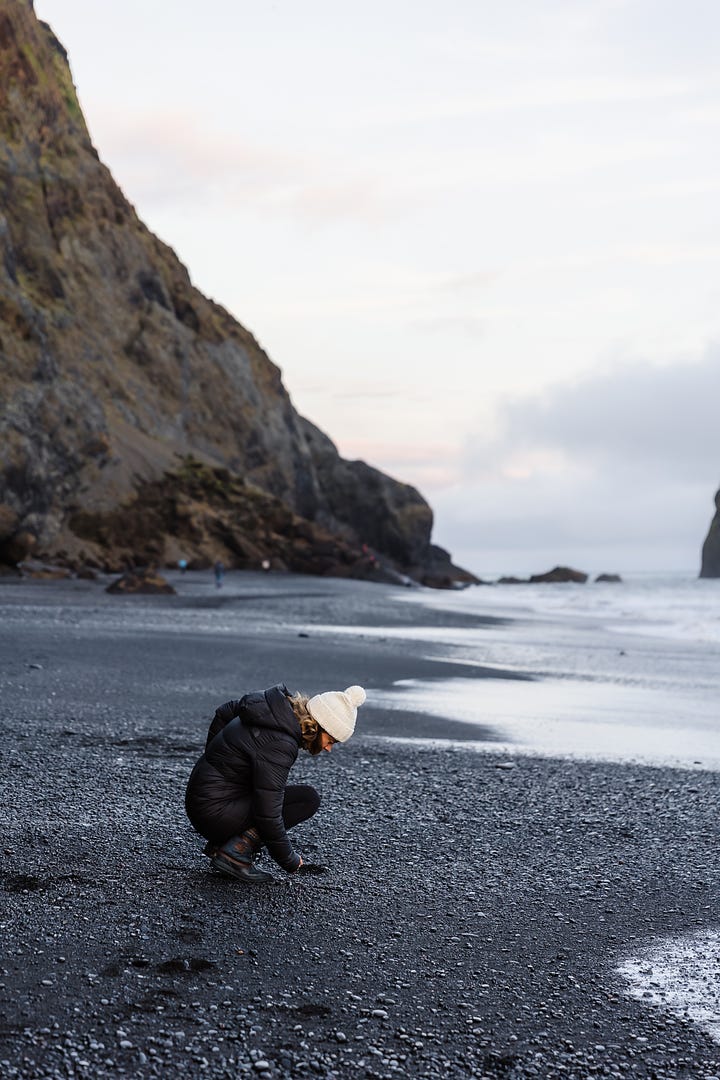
column 710, row 563
column 114, row 369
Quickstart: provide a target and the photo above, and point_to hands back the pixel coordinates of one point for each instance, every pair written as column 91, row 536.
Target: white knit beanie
column 336, row 711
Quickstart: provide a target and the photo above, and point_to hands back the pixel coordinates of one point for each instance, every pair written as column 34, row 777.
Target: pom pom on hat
column 356, row 695
column 336, row 711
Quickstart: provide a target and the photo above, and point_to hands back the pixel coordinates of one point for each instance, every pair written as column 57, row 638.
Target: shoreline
column 475, row 912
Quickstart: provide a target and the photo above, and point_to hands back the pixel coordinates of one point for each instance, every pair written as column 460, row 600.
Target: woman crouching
column 238, row 797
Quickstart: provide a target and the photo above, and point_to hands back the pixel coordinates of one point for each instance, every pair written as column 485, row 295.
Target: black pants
column 300, row 803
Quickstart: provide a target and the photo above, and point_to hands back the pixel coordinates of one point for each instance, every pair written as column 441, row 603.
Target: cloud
column 166, row 156
column 616, row 469
column 650, row 255
column 538, row 94
column 635, row 417
column 427, row 455
column 368, row 393
column 427, row 467
column 471, row 282
column 468, row 325
column 361, row 199
column 179, row 151
column 607, row 523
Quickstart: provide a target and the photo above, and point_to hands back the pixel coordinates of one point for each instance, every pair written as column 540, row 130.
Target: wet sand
column 474, row 914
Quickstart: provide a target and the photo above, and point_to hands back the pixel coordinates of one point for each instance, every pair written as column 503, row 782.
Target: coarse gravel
column 474, row 910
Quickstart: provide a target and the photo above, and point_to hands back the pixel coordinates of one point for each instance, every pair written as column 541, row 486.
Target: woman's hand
column 311, row 868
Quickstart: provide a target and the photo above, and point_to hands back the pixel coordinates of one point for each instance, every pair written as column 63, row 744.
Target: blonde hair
column 309, row 726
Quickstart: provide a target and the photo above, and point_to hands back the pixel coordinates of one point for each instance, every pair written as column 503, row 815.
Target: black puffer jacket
column 240, row 779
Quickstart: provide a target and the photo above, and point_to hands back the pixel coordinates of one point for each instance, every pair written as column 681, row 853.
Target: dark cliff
column 122, row 387
column 710, row 562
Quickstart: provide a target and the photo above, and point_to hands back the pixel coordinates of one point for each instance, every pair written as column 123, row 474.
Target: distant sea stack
column 710, row 563
column 139, row 421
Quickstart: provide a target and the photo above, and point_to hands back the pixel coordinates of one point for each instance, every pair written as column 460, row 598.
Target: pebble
column 553, row 847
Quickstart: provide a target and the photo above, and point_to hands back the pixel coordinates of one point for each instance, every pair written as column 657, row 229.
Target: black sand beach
column 474, row 910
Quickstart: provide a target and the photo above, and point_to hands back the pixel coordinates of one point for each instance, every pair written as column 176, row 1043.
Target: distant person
column 219, row 570
column 238, row 797
column 182, row 563
column 265, row 564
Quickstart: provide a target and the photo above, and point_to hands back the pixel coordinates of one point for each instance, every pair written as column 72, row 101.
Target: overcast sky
column 481, row 239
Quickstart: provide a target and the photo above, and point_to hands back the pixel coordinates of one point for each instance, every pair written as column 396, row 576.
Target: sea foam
column 681, row 976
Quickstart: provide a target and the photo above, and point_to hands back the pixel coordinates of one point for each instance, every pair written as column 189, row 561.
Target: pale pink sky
column 481, row 240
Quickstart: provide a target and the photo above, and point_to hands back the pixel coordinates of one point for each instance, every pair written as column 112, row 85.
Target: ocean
column 616, row 672
column 620, row 672
column 624, row 672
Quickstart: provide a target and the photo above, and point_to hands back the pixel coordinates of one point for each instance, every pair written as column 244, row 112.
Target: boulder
column 561, row 574
column 9, row 522
column 17, row 547
column 710, row 562
column 437, row 571
column 140, row 581
column 609, row 579
column 32, row 568
column 86, row 573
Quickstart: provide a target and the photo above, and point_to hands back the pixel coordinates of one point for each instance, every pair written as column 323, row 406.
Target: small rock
column 140, row 581
column 262, row 1065
column 562, row 574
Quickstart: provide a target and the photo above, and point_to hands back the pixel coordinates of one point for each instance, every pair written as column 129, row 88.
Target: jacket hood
column 271, row 709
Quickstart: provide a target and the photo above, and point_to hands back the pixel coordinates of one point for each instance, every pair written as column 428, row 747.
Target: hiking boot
column 211, row 849
column 241, row 871
column 236, row 855
column 243, row 846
